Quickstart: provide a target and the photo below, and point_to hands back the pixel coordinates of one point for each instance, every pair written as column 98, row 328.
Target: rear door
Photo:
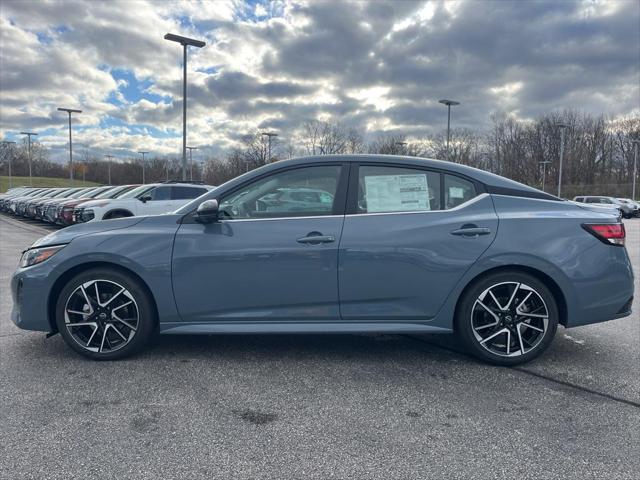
column 408, row 237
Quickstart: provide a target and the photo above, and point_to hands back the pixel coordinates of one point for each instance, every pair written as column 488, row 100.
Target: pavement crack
column 542, row 376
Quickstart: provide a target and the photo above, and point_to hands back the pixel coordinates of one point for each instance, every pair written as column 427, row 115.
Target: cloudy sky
column 378, row 65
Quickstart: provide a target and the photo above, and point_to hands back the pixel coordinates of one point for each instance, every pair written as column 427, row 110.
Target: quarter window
column 397, row 189
column 302, row 192
column 457, row 191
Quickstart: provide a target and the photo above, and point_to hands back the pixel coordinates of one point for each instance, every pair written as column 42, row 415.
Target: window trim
column 339, row 202
column 354, row 178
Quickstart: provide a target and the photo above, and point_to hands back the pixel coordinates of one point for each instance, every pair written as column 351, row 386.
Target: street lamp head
column 562, row 125
column 28, row 133
column 69, row 110
column 184, row 40
column 269, row 134
column 448, row 103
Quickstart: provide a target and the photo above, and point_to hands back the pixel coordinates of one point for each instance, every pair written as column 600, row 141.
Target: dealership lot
column 348, row 406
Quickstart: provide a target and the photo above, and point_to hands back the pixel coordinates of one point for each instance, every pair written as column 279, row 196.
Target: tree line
column 598, row 153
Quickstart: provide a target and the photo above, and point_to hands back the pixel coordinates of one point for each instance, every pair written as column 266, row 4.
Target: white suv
column 149, row 199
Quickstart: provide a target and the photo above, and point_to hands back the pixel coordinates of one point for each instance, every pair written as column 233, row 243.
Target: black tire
column 469, row 311
column 146, row 318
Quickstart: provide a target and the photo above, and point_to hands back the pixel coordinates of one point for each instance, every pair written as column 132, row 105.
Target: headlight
column 38, row 255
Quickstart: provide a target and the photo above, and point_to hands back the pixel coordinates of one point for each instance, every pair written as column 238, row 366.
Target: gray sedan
column 399, row 244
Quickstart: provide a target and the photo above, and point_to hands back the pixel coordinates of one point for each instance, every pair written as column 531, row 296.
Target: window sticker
column 456, row 192
column 396, row 193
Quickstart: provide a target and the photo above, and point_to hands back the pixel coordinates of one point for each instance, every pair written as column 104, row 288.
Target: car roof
column 482, row 176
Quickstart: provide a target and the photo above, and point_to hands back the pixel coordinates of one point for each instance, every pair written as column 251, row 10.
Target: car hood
column 68, row 234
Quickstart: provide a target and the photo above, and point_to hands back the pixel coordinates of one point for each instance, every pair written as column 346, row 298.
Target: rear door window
column 383, row 189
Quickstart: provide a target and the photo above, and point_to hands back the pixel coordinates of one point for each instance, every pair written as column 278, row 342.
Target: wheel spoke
column 493, row 314
column 496, row 300
column 528, row 325
column 113, row 297
column 513, row 295
column 115, row 329
column 77, row 312
column 121, row 306
column 86, row 297
column 533, row 315
column 519, row 307
column 499, row 332
column 123, row 321
column 104, row 336
column 520, row 338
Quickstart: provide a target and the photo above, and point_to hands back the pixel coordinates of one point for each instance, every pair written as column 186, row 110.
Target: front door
column 270, row 256
column 410, row 237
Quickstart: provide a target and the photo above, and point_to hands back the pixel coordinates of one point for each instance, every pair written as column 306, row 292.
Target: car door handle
column 471, row 231
column 316, row 238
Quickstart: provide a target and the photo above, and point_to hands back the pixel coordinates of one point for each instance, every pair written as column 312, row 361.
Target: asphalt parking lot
column 307, row 407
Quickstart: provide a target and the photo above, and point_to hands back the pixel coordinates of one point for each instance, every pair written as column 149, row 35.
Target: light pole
column 70, row 111
column 143, row 165
column 109, row 159
column 185, row 42
column 29, row 135
column 562, row 127
column 448, row 103
column 544, row 171
column 191, row 149
column 7, row 143
column 635, row 168
column 269, row 135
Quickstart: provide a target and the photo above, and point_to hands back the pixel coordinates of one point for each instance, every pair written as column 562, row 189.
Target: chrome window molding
column 471, row 201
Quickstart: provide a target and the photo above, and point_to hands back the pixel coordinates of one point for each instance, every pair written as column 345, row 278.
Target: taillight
column 609, row 233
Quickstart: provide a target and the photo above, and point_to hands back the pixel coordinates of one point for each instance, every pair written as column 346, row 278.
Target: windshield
column 62, row 193
column 79, row 193
column 114, row 192
column 136, row 191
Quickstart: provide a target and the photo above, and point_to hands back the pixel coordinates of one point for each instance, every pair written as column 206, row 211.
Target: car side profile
column 405, row 245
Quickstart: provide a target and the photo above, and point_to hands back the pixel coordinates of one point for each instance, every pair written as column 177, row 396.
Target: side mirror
column 145, row 198
column 207, row 211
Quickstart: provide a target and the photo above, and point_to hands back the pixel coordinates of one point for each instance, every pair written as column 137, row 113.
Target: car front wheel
column 507, row 318
column 105, row 314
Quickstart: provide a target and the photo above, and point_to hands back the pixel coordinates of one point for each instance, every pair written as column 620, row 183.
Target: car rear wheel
column 507, row 318
column 105, row 314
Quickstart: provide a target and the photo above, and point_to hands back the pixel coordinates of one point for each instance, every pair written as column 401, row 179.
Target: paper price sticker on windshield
column 396, row 193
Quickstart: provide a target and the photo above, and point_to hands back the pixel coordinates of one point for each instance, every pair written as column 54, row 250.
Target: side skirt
column 300, row 327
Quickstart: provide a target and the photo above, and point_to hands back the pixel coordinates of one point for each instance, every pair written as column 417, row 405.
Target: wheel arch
column 551, row 284
column 62, row 280
column 124, row 211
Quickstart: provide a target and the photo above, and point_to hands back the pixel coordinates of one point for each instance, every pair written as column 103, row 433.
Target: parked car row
column 626, row 207
column 66, row 206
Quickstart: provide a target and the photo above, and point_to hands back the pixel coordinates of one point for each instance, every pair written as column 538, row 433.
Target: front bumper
column 29, row 292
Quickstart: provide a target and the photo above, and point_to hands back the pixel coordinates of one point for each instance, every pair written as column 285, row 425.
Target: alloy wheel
column 101, row 316
column 509, row 319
